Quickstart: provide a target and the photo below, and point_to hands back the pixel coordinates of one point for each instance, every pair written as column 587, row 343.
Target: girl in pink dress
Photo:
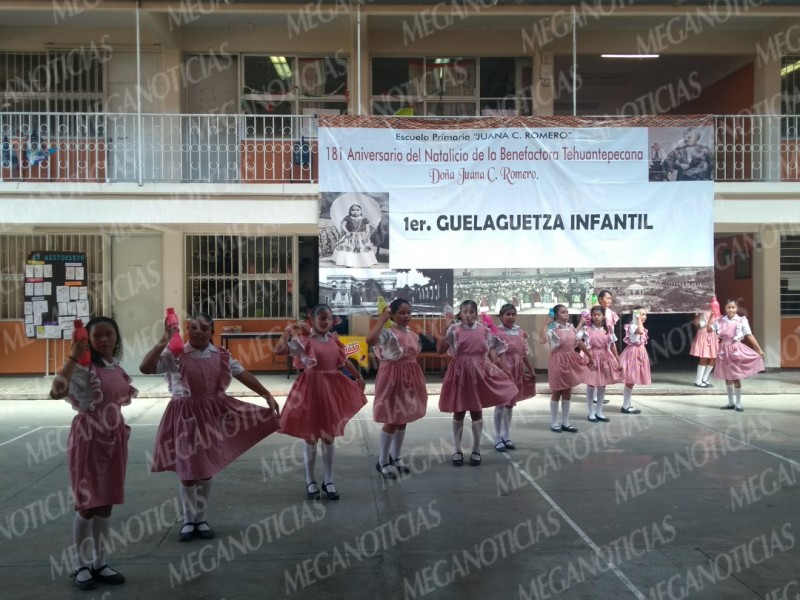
column 203, row 429
column 400, row 392
column 605, row 298
column 736, row 361
column 600, row 340
column 322, row 399
column 634, row 360
column 565, row 368
column 474, row 379
column 97, row 447
column 705, row 346
column 516, row 340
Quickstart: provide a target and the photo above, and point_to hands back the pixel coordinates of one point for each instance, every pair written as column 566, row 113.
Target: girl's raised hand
column 78, row 349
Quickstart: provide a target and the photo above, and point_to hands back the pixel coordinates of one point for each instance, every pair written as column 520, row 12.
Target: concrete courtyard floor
column 682, row 501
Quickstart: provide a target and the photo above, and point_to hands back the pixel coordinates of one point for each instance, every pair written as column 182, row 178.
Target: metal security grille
column 790, row 275
column 238, row 277
column 44, row 85
column 14, row 251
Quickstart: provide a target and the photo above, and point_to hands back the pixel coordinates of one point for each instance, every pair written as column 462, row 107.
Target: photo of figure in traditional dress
column 354, row 231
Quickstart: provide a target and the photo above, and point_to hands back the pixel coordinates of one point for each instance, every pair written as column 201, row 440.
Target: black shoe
column 500, row 447
column 604, row 419
column 509, row 445
column 204, row 534
column 569, row 429
column 86, row 584
column 186, row 536
column 387, row 473
column 332, row 495
column 555, row 428
column 475, row 459
column 701, row 385
column 458, row 459
column 606, row 401
column 113, row 579
column 708, row 384
column 592, row 419
column 397, row 464
column 313, row 493
column 739, row 409
column 728, row 407
column 630, row 411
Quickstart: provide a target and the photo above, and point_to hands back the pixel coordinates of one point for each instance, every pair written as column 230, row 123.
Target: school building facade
column 175, row 142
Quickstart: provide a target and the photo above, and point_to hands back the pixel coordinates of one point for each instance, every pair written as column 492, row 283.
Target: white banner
column 528, row 196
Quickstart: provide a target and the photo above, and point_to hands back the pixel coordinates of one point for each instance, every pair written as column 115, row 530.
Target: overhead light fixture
column 630, row 55
column 790, row 68
column 281, row 66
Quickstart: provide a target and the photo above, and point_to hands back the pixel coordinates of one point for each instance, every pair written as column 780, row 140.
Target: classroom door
column 137, row 294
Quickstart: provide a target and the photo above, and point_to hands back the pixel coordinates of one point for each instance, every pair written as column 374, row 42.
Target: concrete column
column 174, row 277
column 767, row 101
column 766, row 323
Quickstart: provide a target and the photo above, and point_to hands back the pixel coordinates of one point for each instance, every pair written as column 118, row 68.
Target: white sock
column 310, row 459
column 385, row 444
column 626, row 397
column 327, row 462
column 730, row 395
column 498, row 424
column 397, row 444
column 738, row 392
column 565, row 404
column 458, row 430
column 82, row 534
column 601, row 395
column 700, row 370
column 101, row 527
column 707, row 373
column 203, row 494
column 590, row 400
column 477, row 430
column 507, row 422
column 188, row 502
column 554, row 413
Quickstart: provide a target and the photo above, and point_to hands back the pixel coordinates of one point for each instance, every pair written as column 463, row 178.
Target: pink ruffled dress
column 705, row 343
column 203, row 429
column 565, row 367
column 516, row 341
column 322, row 399
column 472, row 381
column 97, row 447
column 401, row 395
column 605, row 369
column 735, row 360
column 634, row 359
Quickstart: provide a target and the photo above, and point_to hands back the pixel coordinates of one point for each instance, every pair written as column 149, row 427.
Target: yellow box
column 356, row 348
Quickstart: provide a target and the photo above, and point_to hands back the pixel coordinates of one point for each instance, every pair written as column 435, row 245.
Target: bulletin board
column 56, row 293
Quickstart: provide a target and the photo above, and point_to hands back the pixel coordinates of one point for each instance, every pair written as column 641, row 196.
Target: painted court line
column 20, row 436
column 581, row 533
column 735, row 439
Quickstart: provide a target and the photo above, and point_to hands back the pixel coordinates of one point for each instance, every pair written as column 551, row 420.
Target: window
column 451, row 86
column 66, row 83
column 238, row 277
column 14, row 251
column 274, row 86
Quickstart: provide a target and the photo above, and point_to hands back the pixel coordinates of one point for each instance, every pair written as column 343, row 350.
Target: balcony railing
column 111, row 147
column 107, row 147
